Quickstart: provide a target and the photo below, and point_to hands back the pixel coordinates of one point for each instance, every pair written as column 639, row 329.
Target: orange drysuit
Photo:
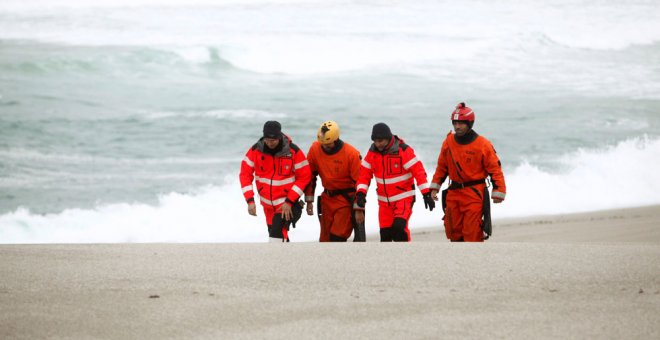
column 468, row 166
column 339, row 170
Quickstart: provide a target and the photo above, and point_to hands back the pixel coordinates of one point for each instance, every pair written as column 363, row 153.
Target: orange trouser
column 463, row 214
column 393, row 219
column 335, row 218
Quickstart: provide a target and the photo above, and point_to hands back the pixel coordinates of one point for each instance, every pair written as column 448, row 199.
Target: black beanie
column 272, row 129
column 381, row 131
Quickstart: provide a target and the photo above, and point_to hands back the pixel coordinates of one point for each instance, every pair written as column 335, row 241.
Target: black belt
column 339, row 191
column 457, row 185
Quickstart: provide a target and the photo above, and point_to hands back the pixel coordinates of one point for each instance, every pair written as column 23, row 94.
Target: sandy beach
column 591, row 275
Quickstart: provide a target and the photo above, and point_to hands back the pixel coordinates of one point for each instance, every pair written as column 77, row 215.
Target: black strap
column 343, row 192
column 458, row 185
column 339, row 191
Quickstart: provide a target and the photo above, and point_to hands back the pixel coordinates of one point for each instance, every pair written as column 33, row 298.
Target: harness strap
column 339, row 191
column 458, row 185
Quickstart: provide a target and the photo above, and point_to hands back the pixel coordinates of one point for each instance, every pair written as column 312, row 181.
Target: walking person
column 395, row 167
column 338, row 165
column 281, row 172
column 468, row 159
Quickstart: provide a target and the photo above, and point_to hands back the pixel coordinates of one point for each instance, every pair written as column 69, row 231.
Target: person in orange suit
column 468, row 159
column 338, row 165
column 281, row 172
column 395, row 167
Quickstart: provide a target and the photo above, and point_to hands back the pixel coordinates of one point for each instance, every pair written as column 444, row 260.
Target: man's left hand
column 287, row 213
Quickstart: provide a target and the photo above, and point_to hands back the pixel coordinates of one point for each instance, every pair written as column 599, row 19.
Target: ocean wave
column 217, row 114
column 591, row 179
column 37, row 157
column 329, row 37
column 122, row 61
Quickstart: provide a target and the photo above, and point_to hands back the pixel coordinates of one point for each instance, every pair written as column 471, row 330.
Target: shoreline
column 625, row 225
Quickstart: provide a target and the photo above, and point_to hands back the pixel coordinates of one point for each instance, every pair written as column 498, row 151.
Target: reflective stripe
column 394, row 179
column 366, row 164
column 309, row 198
column 435, row 186
column 297, row 190
column 248, row 161
column 276, row 182
column 424, row 186
column 397, row 197
column 410, row 163
column 275, row 202
column 498, row 194
column 247, row 188
column 301, row 164
column 363, row 186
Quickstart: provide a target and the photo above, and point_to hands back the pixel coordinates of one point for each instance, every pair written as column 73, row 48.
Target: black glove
column 429, row 203
column 361, row 199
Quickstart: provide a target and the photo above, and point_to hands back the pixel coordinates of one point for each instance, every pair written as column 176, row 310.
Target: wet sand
column 594, row 275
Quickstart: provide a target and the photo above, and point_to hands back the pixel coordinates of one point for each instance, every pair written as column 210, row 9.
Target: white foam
column 613, row 177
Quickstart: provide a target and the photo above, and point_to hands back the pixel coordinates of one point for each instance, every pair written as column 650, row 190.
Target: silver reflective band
column 363, row 186
column 497, row 194
column 297, row 190
column 301, row 164
column 276, row 182
column 248, row 162
column 366, row 164
column 275, row 202
column 396, row 197
column 394, row 179
column 247, row 188
column 435, row 186
column 410, row 163
column 424, row 186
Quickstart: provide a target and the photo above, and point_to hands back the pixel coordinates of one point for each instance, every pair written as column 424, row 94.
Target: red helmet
column 462, row 112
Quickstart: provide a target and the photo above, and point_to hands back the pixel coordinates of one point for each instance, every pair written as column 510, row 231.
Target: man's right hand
column 252, row 209
column 359, row 216
column 310, row 208
column 434, row 194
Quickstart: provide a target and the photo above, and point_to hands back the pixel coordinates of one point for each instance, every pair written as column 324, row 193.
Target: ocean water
column 126, row 121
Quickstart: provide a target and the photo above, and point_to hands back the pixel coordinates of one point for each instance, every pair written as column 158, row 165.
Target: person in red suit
column 395, row 167
column 281, row 172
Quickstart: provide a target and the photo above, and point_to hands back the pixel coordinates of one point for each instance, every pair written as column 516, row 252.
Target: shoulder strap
column 458, row 169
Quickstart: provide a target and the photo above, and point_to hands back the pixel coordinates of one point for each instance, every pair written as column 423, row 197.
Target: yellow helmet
column 328, row 132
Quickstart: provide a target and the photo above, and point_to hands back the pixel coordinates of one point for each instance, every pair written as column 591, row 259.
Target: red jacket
column 394, row 170
column 281, row 174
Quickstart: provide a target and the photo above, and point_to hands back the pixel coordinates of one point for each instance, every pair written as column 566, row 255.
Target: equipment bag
column 486, row 225
column 297, row 212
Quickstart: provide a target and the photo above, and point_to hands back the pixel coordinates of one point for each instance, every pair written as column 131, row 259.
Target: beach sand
column 592, row 275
